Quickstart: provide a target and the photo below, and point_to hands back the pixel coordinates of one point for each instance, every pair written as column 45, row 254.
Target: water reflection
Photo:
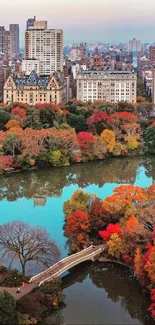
column 50, row 183
column 118, row 287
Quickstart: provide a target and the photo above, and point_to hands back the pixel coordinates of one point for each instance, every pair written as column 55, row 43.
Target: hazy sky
column 87, row 20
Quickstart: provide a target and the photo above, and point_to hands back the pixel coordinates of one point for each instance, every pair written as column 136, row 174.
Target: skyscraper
column 14, row 40
column 30, row 22
column 45, row 45
column 152, row 53
column 134, row 45
column 5, row 42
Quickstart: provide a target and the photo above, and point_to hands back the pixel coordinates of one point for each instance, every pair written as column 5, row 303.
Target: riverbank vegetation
column 125, row 222
column 35, row 308
column 50, row 135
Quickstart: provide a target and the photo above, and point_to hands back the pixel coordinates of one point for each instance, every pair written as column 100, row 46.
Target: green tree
column 8, row 313
column 149, row 139
column 4, row 118
column 11, row 143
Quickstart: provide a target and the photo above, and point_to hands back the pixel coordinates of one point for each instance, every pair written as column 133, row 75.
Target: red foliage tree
column 98, row 216
column 86, row 141
column 5, row 161
column 97, row 117
column 111, row 229
column 152, row 307
column 19, row 114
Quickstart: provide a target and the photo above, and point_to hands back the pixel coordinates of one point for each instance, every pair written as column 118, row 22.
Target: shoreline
column 11, row 171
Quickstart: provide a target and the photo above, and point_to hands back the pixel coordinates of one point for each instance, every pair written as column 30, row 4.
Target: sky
column 107, row 21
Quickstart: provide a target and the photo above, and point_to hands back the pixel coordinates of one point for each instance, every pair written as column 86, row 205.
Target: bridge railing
column 35, row 277
column 70, row 265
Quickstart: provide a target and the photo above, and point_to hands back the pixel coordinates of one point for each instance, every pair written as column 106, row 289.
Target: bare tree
column 20, row 242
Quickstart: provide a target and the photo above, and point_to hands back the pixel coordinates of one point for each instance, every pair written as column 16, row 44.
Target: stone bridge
column 90, row 253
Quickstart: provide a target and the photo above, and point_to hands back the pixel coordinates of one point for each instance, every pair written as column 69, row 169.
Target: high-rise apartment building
column 134, row 45
column 30, row 22
column 30, row 65
column 152, row 53
column 77, row 52
column 4, row 73
column 153, row 86
column 45, row 45
column 5, row 42
column 14, row 40
column 111, row 86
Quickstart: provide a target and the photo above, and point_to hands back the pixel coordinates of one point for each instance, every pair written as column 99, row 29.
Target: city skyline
column 88, row 21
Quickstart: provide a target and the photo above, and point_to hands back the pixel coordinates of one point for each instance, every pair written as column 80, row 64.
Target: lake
column 95, row 293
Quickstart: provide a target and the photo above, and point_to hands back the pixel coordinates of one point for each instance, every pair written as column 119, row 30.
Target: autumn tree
column 133, row 226
column 150, row 265
column 111, row 229
column 108, row 137
column 18, row 241
column 124, row 197
column 80, row 200
column 12, row 124
column 86, row 141
column 115, row 246
column 77, row 229
column 138, row 263
column 11, row 143
column 97, row 122
column 152, row 307
column 99, row 148
column 132, row 142
column 19, row 114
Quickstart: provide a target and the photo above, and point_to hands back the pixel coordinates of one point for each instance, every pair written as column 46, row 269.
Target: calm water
column 98, row 293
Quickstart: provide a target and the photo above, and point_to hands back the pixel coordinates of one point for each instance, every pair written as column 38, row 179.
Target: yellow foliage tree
column 132, row 142
column 119, row 149
column 108, row 136
column 115, row 246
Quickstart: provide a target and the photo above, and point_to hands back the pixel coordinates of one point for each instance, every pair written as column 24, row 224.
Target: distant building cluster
column 88, row 72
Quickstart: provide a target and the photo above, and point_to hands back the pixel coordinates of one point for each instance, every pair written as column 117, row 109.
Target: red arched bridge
column 90, row 253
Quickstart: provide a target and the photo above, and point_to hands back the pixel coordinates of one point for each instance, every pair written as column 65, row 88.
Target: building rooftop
column 106, row 73
column 35, row 80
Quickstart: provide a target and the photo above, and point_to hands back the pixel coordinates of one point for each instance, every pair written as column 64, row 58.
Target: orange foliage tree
column 12, row 124
column 138, row 263
column 19, row 114
column 77, row 229
column 132, row 226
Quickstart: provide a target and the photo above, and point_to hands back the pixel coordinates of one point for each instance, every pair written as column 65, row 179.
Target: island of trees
column 125, row 222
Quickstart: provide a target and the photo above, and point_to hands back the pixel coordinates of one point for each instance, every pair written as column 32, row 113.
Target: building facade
column 134, row 45
column 30, row 22
column 30, row 65
column 152, row 53
column 4, row 73
column 14, row 40
column 45, row 45
column 5, row 42
column 35, row 89
column 153, row 86
column 111, row 86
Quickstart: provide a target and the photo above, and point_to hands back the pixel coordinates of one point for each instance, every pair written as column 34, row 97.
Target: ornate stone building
column 35, row 89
